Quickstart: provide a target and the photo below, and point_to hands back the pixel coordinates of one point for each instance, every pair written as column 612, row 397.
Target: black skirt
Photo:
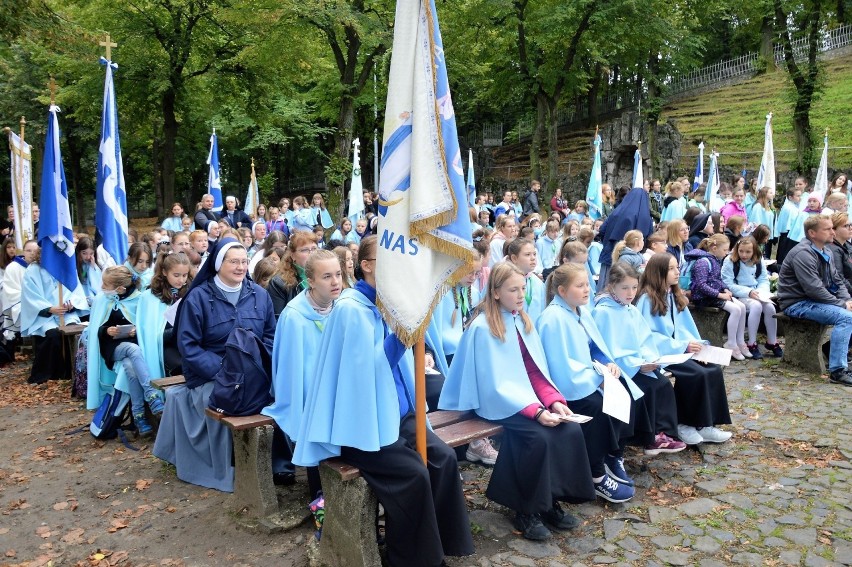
column 659, row 399
column 700, row 394
column 537, row 465
column 52, row 359
column 604, row 434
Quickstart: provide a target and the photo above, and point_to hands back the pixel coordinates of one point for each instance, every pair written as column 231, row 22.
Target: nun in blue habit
column 699, row 388
column 572, row 343
column 360, row 408
column 633, row 213
column 220, row 298
column 501, row 373
column 631, row 343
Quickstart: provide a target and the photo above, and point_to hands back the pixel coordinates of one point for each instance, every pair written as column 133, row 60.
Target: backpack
column 757, row 271
column 685, row 279
column 244, row 382
column 112, row 416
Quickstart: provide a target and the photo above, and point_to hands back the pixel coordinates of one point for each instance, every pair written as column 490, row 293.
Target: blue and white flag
column 471, row 180
column 111, row 196
column 821, row 181
column 714, row 201
column 356, row 187
column 55, row 233
column 699, row 168
column 594, row 193
column 424, row 228
column 638, row 176
column 214, row 185
column 253, row 197
column 766, row 175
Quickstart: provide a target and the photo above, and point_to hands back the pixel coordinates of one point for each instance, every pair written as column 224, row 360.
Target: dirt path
column 66, row 498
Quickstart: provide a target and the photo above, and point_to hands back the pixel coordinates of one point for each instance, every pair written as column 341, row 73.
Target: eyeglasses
column 237, row 262
column 307, row 250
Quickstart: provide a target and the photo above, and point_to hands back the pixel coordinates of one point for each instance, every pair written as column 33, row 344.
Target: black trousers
column 700, row 394
column 425, row 510
column 604, row 434
column 660, row 400
column 51, row 358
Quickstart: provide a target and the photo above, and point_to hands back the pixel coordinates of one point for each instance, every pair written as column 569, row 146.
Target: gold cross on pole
column 109, row 44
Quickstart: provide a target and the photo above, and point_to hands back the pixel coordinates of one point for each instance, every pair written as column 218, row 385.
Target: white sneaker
column 735, row 351
column 714, row 434
column 744, row 351
column 481, row 451
column 689, row 434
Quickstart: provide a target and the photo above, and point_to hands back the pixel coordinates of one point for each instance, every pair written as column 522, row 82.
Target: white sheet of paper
column 671, row 359
column 714, row 355
column 616, row 398
column 171, row 312
column 764, row 297
column 576, row 418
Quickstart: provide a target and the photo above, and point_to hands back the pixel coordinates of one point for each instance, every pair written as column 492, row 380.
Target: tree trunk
column 767, row 44
column 653, row 114
column 343, row 135
column 802, row 131
column 156, row 147
column 75, row 178
column 552, row 146
column 538, row 136
column 167, row 152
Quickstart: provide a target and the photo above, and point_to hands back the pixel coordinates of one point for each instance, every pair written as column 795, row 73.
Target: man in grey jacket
column 810, row 287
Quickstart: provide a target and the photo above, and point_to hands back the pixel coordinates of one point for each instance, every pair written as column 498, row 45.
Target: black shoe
column 840, row 376
column 559, row 519
column 284, row 478
column 531, row 527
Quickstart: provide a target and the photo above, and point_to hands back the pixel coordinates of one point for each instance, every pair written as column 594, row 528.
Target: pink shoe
column 745, row 351
column 664, row 444
column 735, row 351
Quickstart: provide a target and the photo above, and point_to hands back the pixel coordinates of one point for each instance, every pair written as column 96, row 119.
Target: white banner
column 22, row 190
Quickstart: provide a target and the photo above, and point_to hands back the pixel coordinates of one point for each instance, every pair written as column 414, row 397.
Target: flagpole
column 420, row 394
column 52, row 86
column 21, row 181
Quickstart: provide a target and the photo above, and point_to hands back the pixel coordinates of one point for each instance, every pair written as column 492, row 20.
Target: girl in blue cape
column 139, row 263
column 115, row 359
column 632, row 213
column 360, row 408
column 699, row 388
column 40, row 312
column 297, row 343
column 674, row 203
column 342, row 231
column 303, row 219
column 155, row 334
column 88, row 271
column 500, row 372
column 522, row 254
column 320, row 213
column 631, row 343
column 572, row 344
column 219, row 299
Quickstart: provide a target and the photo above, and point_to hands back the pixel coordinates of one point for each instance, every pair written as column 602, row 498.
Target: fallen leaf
column 60, row 505
column 171, row 509
column 11, row 553
column 43, row 531
column 74, row 536
column 4, row 531
column 143, row 483
column 116, row 524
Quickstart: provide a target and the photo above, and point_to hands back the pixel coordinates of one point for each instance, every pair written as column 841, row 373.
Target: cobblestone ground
column 776, row 494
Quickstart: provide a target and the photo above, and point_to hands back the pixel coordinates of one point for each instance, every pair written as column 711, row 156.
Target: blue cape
column 303, row 220
column 673, row 331
column 488, row 375
column 538, row 297
column 626, row 333
column 325, row 218
column 785, row 217
column 568, row 352
column 39, row 291
column 633, row 213
column 675, row 210
column 144, row 277
column 296, row 349
column 101, row 379
column 352, row 401
column 151, row 322
column 442, row 335
column 759, row 215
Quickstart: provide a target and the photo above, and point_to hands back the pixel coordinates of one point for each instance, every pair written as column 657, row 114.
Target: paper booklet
column 616, row 398
column 576, row 418
column 713, row 355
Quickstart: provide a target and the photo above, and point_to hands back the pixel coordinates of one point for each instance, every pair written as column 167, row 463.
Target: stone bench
column 711, row 322
column 803, row 343
column 349, row 526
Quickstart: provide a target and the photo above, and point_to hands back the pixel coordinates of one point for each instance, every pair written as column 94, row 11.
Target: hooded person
column 698, row 229
column 220, row 299
column 633, row 213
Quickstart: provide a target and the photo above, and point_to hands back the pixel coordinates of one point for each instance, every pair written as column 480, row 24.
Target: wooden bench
column 711, row 323
column 349, row 527
column 71, row 334
column 167, row 382
column 803, row 343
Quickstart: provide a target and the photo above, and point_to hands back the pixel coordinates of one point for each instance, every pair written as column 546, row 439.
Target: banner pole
column 20, row 182
column 420, row 395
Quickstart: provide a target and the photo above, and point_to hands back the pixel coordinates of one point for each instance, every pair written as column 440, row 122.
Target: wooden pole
column 420, row 395
column 20, row 182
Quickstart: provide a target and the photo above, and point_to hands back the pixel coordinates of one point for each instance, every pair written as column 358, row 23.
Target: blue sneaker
column 142, row 426
column 156, row 405
column 609, row 489
column 614, row 466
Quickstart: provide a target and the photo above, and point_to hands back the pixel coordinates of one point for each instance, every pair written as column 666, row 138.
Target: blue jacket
column 206, row 320
column 746, row 280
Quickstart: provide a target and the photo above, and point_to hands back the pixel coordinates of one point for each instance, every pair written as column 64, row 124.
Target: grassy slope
column 732, row 120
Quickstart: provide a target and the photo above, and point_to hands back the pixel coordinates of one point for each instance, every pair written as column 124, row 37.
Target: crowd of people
column 552, row 308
